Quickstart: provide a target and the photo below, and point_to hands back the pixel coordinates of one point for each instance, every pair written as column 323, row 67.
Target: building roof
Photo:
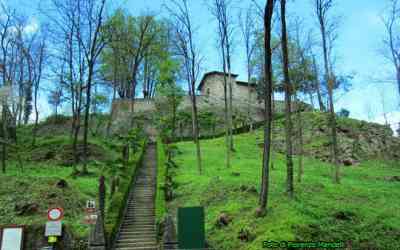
column 246, row 84
column 212, row 73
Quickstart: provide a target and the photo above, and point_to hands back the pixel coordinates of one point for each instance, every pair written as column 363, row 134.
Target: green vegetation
column 363, row 208
column 39, row 177
column 161, row 175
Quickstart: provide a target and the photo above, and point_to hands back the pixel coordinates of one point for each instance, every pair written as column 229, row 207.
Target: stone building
column 212, row 85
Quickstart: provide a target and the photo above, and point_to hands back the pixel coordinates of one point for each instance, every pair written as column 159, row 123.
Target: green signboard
column 191, row 232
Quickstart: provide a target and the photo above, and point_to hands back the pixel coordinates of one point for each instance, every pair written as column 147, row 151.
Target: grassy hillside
column 41, row 176
column 362, row 210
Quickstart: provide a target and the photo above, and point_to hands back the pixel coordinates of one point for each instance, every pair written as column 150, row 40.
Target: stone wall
column 213, row 85
column 145, row 111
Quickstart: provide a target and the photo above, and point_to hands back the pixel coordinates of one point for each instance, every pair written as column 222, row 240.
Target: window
column 208, row 91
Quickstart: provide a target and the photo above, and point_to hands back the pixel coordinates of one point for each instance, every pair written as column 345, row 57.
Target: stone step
column 142, row 206
column 138, row 244
column 128, row 235
column 137, row 248
column 140, row 216
column 128, row 229
column 138, row 239
column 130, row 220
column 136, row 227
column 138, row 224
column 135, row 219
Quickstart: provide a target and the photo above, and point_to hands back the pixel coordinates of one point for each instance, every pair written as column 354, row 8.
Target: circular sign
column 55, row 214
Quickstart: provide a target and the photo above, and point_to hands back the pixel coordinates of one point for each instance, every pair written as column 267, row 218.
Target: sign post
column 54, row 224
column 91, row 216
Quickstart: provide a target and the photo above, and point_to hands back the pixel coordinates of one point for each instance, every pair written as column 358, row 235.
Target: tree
column 268, row 12
column 88, row 35
column 168, row 98
column 248, row 32
column 391, row 50
column 219, row 10
column 327, row 28
column 186, row 50
column 55, row 99
column 134, row 46
column 344, row 113
column 39, row 61
column 69, row 64
column 288, row 107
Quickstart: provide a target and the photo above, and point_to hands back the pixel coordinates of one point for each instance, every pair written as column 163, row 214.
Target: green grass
column 371, row 204
column 36, row 182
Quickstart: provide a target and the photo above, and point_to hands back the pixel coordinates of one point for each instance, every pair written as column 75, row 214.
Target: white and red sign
column 91, row 216
column 55, row 214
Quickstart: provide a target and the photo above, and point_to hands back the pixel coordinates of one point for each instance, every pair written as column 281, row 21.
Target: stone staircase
column 138, row 230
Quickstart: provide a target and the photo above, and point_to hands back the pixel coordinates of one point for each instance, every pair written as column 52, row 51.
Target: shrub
column 57, row 119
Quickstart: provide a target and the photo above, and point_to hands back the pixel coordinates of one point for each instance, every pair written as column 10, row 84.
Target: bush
column 161, row 173
column 57, row 119
column 343, row 113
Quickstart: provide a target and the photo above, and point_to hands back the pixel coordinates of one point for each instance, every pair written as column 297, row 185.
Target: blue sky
column 360, row 37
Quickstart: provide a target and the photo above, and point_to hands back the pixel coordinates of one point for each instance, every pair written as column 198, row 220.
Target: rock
column 344, row 129
column 62, row 184
column 235, row 174
column 259, row 212
column 348, row 162
column 26, row 209
column 249, row 189
column 243, row 188
column 245, row 235
column 344, row 215
column 223, row 220
column 252, row 189
column 392, row 178
column 51, row 196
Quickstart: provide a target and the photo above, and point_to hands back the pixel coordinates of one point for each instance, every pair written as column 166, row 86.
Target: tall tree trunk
column 263, row 202
column 36, row 118
column 4, row 135
column 196, row 129
column 249, row 118
column 174, row 107
column 398, row 80
column 86, row 121
column 310, row 94
column 300, row 140
column 332, row 118
column 335, row 151
column 36, row 112
column 230, row 85
column 112, row 111
column 288, row 99
column 226, row 107
column 318, row 87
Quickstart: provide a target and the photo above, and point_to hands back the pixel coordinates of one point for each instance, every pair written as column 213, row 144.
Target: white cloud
column 32, row 26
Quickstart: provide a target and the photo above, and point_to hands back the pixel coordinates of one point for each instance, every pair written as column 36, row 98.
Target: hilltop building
column 212, row 85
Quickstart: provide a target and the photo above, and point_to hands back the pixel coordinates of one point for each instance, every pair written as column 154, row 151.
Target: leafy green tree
column 168, row 97
column 343, row 113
